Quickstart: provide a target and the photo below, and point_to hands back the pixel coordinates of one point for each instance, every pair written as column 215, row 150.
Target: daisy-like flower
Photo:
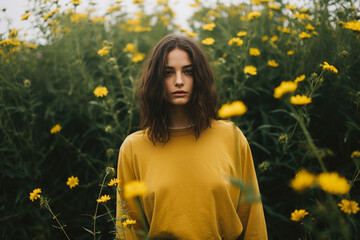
column 283, row 88
column 272, row 63
column 254, row 51
column 134, row 189
column 50, row 14
column 105, row 50
column 252, row 70
column 128, row 223
column 25, row 16
column 253, row 15
column 352, row 25
column 349, row 207
column 304, row 35
column 274, row 38
column 114, row 182
column 355, row 154
column 72, row 181
column 290, row 52
column 236, row 40
column 100, row 91
column 138, row 57
column 300, row 100
column 55, row 129
column 298, row 215
column 236, row 108
column 309, row 27
column 113, row 9
column 303, row 180
column 208, row 41
column 130, row 47
column 241, row 34
column 300, row 78
column 265, row 38
column 329, row 67
column 332, row 183
column 35, row 194
column 75, row 2
column 209, row 26
column 103, row 198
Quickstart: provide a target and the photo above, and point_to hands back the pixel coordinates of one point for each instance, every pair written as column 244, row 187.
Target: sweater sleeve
column 128, row 208
column 251, row 214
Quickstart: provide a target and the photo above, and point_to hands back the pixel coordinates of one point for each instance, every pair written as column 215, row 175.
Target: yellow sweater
column 189, row 194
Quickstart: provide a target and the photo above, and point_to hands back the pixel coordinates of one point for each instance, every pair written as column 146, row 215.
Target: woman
column 185, row 156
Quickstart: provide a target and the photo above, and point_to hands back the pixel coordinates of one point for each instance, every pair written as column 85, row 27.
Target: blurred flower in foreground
column 300, row 100
column 329, row 67
column 355, row 154
column 250, row 70
column 25, row 16
column 35, row 194
column 253, row 15
column 105, row 50
column 331, row 182
column 128, row 223
column 298, row 215
column 134, row 189
column 208, row 41
column 265, row 38
column 130, row 47
column 100, row 91
column 290, row 52
column 72, row 181
column 241, row 34
column 304, row 35
column 55, row 129
column 114, row 182
column 349, row 207
column 103, row 198
column 50, row 14
column 274, row 38
column 272, row 63
column 303, row 180
column 209, row 26
column 283, row 88
column 300, row 78
column 254, row 51
column 352, row 25
column 138, row 57
column 236, row 108
column 236, row 40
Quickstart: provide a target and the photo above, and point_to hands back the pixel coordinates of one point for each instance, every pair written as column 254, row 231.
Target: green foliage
column 55, row 82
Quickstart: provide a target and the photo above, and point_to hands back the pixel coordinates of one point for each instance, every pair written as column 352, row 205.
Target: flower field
column 287, row 74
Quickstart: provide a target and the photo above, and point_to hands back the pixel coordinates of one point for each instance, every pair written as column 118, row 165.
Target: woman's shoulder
column 226, row 128
column 134, row 138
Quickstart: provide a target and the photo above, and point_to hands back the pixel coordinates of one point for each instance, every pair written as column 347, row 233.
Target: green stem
column 97, row 205
column 143, row 216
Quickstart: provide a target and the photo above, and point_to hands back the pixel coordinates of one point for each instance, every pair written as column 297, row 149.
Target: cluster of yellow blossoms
column 55, row 129
column 35, row 194
column 236, row 108
column 100, row 91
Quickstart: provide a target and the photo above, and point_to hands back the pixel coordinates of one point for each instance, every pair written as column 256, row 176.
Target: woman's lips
column 179, row 93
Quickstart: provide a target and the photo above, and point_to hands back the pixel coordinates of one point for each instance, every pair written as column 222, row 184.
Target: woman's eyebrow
column 186, row 66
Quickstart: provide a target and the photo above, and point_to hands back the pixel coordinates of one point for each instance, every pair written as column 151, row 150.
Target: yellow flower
column 349, row 207
column 129, row 48
column 254, row 52
column 331, row 182
column 49, row 15
column 250, row 70
column 274, row 7
column 55, row 129
column 128, row 223
column 298, row 215
column 290, row 7
column 114, row 182
column 302, row 16
column 290, row 52
column 138, row 1
column 208, row 41
column 286, row 30
column 274, row 38
column 303, row 180
column 304, row 35
column 138, row 57
column 309, row 27
column 213, row 13
column 75, row 2
column 103, row 198
column 236, row 40
column 72, row 181
column 315, row 33
column 283, row 88
column 236, row 108
column 329, row 67
column 272, row 63
column 299, row 78
column 265, row 38
column 35, row 194
column 190, row 34
column 352, row 25
column 241, row 34
column 104, row 51
column 142, row 29
column 113, row 9
column 25, row 16
column 355, row 154
column 253, row 15
column 300, row 100
column 100, row 91
column 134, row 189
column 209, row 27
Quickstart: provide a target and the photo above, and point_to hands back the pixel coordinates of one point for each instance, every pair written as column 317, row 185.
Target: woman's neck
column 178, row 117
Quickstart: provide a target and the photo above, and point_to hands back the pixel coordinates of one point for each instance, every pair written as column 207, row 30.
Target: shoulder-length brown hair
column 153, row 106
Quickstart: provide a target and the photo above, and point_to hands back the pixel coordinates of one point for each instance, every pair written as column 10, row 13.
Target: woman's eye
column 168, row 73
column 188, row 72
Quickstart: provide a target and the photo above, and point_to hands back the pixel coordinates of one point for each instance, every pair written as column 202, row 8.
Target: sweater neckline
column 183, row 131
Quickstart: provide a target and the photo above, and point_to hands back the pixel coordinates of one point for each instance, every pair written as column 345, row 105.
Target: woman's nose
column 179, row 80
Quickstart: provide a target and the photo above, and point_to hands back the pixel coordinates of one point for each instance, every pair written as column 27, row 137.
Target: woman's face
column 178, row 78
